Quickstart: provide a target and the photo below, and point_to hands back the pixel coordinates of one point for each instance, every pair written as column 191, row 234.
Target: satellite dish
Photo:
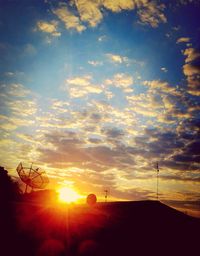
column 91, row 199
column 32, row 177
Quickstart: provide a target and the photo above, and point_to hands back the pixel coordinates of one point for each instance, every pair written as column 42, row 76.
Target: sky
column 96, row 92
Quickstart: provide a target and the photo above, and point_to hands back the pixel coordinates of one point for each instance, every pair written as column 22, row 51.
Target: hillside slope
column 118, row 228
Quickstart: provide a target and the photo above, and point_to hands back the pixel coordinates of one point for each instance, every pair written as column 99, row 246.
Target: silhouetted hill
column 118, row 228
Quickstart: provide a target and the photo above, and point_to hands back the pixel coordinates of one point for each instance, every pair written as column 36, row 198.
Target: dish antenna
column 32, row 177
column 91, row 199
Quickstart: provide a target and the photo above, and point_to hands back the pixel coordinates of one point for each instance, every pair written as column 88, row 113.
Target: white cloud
column 183, row 40
column 117, row 58
column 162, row 86
column 48, row 27
column 151, row 13
column 102, row 38
column 191, row 54
column 81, row 86
column 121, row 80
column 89, row 11
column 144, row 104
column 119, row 5
column 92, row 12
column 191, row 70
column 95, row 63
column 164, row 69
column 70, row 20
column 24, row 107
column 16, row 90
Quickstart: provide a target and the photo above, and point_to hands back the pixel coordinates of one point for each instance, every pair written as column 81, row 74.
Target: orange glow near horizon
column 68, row 195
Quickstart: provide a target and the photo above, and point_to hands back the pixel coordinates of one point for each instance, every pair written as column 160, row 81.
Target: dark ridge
column 117, row 228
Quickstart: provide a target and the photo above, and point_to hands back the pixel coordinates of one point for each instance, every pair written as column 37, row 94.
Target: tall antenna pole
column 106, row 194
column 157, row 170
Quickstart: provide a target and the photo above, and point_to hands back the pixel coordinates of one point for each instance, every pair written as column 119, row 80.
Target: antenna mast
column 157, row 170
column 106, row 194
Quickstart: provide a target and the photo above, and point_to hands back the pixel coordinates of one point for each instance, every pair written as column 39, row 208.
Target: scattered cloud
column 95, row 63
column 119, row 5
column 102, row 38
column 192, row 54
column 89, row 12
column 70, row 20
column 16, row 90
column 48, row 27
column 79, row 12
column 78, row 87
column 146, row 105
column 121, row 80
column 117, row 58
column 162, row 86
column 164, row 69
column 183, row 40
column 151, row 13
column 191, row 70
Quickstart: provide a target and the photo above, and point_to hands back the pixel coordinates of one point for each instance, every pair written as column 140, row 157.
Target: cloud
column 151, row 13
column 60, row 106
column 17, row 101
column 175, row 107
column 95, row 63
column 102, row 38
column 92, row 12
column 101, row 138
column 70, row 20
column 164, row 69
column 113, row 133
column 191, row 70
column 24, row 108
column 70, row 149
column 121, row 80
column 156, row 84
column 81, row 86
column 18, row 108
column 163, row 86
column 16, row 90
column 183, row 40
column 16, row 74
column 161, row 101
column 119, row 5
column 144, row 104
column 192, row 54
column 117, row 58
column 89, row 11
column 48, row 27
column 30, row 50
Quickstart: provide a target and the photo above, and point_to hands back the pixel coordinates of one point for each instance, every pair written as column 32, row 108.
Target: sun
column 68, row 195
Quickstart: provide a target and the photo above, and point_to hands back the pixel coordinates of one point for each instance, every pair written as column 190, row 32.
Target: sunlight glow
column 68, row 195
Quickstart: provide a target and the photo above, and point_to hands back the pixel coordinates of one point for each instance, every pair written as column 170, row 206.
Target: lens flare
column 68, row 195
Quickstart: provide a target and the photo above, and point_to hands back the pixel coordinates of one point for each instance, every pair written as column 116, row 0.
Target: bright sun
column 68, row 195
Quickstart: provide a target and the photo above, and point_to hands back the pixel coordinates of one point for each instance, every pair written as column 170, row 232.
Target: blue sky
column 96, row 92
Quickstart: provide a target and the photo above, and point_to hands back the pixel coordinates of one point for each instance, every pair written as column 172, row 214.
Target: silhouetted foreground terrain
column 121, row 228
